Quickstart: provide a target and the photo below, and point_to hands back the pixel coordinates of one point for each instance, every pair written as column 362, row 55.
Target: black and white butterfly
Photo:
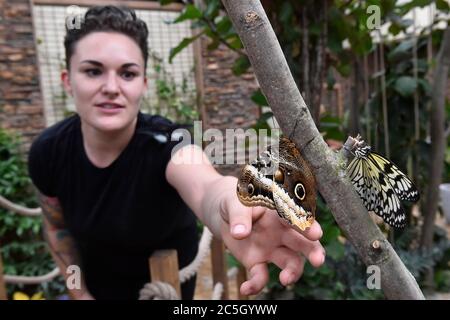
column 381, row 185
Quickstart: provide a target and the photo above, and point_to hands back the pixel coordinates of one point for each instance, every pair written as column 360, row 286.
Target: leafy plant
column 343, row 276
column 174, row 101
column 22, row 247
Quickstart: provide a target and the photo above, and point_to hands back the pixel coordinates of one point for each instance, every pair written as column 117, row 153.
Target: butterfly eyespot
column 279, row 176
column 250, row 189
column 299, row 191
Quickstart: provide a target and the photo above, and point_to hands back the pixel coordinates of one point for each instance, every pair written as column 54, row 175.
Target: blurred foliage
column 348, row 38
column 176, row 101
column 344, row 276
column 400, row 88
column 446, row 177
column 22, row 247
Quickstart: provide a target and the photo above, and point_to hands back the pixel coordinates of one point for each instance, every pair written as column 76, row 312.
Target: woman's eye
column 93, row 72
column 129, row 75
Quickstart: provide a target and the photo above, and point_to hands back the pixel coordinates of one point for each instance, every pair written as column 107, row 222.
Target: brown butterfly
column 280, row 179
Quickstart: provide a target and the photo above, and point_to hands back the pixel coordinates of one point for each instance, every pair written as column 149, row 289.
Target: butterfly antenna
column 293, row 131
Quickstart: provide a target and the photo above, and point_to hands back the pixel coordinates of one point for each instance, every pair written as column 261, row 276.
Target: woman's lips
column 110, row 108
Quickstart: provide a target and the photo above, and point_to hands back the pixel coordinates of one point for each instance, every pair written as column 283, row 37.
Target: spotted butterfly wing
column 280, row 179
column 402, row 185
column 381, row 185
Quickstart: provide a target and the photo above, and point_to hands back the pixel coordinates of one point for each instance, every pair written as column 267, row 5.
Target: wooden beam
column 3, row 295
column 164, row 268
column 144, row 5
column 219, row 266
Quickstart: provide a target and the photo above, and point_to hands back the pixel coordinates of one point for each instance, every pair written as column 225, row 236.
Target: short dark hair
column 110, row 19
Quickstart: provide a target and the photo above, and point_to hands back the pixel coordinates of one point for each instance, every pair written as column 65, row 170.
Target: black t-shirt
column 120, row 214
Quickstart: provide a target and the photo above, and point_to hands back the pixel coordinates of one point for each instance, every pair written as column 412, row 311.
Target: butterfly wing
column 402, row 185
column 361, row 182
column 375, row 190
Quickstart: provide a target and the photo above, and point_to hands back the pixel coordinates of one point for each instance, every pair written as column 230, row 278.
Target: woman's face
column 106, row 80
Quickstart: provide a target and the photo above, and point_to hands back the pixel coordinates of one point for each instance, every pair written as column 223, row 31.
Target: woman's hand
column 257, row 236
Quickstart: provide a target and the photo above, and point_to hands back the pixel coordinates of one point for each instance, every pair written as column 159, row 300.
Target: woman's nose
column 111, row 85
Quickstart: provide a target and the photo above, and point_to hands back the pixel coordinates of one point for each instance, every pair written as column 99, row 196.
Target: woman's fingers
column 239, row 218
column 312, row 250
column 290, row 263
column 258, row 278
column 314, row 232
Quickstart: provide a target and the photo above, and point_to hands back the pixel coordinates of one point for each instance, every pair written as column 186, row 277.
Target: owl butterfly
column 380, row 184
column 280, row 179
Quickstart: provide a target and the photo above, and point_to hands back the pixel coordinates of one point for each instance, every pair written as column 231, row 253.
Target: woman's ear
column 146, row 83
column 65, row 78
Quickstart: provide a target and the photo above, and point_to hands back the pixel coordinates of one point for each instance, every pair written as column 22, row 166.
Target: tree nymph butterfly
column 380, row 184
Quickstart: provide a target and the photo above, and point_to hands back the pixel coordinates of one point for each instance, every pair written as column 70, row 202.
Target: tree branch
column 277, row 84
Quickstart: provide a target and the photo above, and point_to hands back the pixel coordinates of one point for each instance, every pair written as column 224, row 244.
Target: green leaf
column 405, row 86
column 332, row 128
column 315, row 29
column 331, row 80
column 394, row 29
column 259, row 98
column 241, row 65
column 262, row 122
column 335, row 250
column 361, row 42
column 286, row 12
column 212, row 8
column 442, row 5
column 183, row 44
column 426, row 87
column 224, row 25
column 190, row 12
column 413, row 4
column 331, row 235
column 235, row 43
column 335, row 44
column 402, row 51
column 344, row 69
column 214, row 44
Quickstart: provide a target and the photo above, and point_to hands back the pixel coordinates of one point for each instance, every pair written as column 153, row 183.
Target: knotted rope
column 164, row 291
column 8, row 205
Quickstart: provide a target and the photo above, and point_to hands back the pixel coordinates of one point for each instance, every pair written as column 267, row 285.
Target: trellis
column 49, row 25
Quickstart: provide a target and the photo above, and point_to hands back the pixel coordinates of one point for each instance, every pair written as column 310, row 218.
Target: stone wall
column 227, row 98
column 20, row 97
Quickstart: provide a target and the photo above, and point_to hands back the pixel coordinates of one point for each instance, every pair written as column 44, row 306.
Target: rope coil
column 163, row 291
column 32, row 280
column 158, row 290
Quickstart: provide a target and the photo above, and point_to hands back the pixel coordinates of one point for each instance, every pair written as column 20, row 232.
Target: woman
column 112, row 194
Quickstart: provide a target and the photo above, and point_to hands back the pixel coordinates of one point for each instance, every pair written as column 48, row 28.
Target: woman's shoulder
column 58, row 131
column 157, row 127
